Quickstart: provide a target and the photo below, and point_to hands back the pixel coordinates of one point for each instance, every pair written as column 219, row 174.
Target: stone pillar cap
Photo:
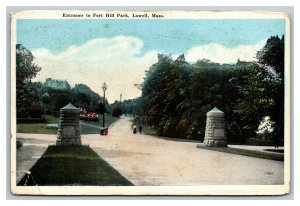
column 70, row 107
column 215, row 112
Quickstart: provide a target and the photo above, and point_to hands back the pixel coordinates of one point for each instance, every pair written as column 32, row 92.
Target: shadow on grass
column 250, row 153
column 72, row 165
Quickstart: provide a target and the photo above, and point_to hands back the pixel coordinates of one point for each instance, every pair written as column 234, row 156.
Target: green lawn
column 51, row 119
column 87, row 127
column 250, row 153
column 37, row 128
column 73, row 165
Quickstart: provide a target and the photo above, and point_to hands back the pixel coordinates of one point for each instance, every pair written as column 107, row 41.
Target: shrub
column 234, row 132
column 19, row 144
column 36, row 110
column 181, row 129
column 22, row 112
column 117, row 112
column 31, row 120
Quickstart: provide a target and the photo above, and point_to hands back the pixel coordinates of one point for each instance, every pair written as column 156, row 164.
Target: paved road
column 147, row 160
column 34, row 146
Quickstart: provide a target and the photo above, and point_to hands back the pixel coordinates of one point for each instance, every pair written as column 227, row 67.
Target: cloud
column 118, row 61
column 221, row 54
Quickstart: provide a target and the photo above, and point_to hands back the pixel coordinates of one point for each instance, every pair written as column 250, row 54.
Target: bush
column 181, row 129
column 117, row 112
column 31, row 120
column 36, row 110
column 234, row 132
column 19, row 144
column 22, row 112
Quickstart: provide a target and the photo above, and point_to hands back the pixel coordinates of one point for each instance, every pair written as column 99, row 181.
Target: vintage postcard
column 150, row 102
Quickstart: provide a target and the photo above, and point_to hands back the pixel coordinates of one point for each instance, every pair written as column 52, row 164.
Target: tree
column 256, row 98
column 163, row 95
column 117, row 112
column 59, row 99
column 54, row 94
column 46, row 98
column 56, row 84
column 153, row 91
column 177, row 95
column 25, row 71
column 211, row 85
column 128, row 106
column 271, row 56
column 83, row 96
column 261, row 87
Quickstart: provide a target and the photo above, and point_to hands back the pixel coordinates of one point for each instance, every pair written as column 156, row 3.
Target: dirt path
column 147, row 160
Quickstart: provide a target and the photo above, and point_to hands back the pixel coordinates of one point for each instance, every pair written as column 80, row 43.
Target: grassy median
column 250, row 153
column 72, row 165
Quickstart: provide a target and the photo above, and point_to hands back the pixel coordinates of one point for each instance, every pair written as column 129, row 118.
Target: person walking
column 134, row 129
column 140, row 129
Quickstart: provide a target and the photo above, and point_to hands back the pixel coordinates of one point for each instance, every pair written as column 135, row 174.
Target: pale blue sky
column 166, row 36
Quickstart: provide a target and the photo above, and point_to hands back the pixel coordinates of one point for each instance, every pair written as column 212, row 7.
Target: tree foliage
column 262, row 89
column 176, row 95
column 25, row 71
column 116, row 112
column 55, row 93
column 83, row 96
column 164, row 93
column 271, row 56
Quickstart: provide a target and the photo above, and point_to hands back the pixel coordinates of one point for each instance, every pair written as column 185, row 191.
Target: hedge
column 31, row 120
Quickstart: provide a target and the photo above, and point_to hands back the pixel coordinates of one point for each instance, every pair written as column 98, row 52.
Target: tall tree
column 256, row 99
column 25, row 71
column 152, row 90
column 164, row 91
column 271, row 56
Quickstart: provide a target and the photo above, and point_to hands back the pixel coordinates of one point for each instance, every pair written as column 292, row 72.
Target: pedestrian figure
column 140, row 129
column 134, row 129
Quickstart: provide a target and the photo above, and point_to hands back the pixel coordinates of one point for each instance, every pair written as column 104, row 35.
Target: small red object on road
column 106, row 131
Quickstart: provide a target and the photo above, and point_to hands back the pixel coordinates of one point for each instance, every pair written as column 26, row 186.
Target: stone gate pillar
column 69, row 126
column 215, row 129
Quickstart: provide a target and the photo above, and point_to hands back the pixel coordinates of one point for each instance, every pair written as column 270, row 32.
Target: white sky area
column 119, row 62
column 221, row 54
